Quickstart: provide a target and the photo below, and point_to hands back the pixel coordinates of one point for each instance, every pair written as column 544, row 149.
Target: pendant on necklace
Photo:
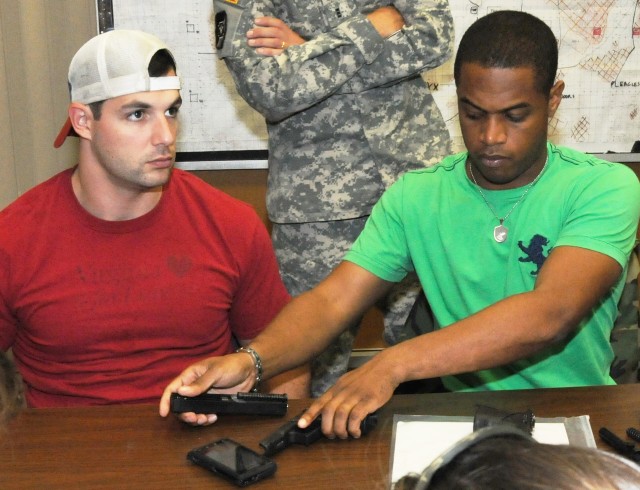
column 500, row 233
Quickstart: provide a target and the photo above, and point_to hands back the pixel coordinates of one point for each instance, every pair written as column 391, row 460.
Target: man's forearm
column 512, row 329
column 520, row 325
column 425, row 43
column 301, row 331
column 278, row 88
column 307, row 325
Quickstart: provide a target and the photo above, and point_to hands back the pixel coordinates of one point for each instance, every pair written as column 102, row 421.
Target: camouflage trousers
column 307, row 253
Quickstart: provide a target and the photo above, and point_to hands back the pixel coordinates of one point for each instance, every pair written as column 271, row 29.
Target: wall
column 37, row 40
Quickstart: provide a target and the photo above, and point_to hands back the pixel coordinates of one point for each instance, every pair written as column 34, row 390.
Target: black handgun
column 290, row 433
column 240, row 403
column 623, row 448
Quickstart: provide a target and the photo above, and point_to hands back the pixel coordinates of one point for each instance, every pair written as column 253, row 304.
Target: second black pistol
column 290, row 433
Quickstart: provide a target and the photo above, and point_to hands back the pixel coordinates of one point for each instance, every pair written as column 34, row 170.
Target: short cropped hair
column 510, row 39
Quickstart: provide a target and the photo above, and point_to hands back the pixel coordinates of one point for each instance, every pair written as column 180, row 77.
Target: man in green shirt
column 520, row 247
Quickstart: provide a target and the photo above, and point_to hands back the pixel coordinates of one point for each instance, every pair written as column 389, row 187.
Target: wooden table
column 133, row 447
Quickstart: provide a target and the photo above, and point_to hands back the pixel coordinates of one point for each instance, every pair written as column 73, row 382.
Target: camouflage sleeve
column 302, row 76
column 424, row 43
column 347, row 58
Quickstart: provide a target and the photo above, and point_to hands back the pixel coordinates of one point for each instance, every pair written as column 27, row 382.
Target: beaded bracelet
column 257, row 363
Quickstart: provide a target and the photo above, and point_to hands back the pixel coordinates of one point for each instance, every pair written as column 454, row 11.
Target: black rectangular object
column 233, row 461
column 240, row 403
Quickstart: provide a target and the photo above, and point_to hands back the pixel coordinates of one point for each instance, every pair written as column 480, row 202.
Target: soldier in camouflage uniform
column 347, row 113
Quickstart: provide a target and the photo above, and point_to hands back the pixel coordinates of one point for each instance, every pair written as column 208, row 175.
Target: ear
column 555, row 97
column 81, row 119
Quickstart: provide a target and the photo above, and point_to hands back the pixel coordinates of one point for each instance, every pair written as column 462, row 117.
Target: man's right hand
column 226, row 374
column 271, row 36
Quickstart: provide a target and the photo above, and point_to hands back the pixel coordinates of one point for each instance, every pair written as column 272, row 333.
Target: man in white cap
column 118, row 273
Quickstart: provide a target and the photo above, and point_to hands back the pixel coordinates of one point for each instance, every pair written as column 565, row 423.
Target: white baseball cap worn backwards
column 112, row 64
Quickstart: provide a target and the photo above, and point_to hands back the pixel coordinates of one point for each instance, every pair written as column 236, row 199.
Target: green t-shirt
column 435, row 221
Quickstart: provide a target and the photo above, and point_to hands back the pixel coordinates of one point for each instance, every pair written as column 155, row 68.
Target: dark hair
column 161, row 63
column 510, row 39
column 507, row 462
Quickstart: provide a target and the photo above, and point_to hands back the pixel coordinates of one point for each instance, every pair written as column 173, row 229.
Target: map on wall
column 598, row 62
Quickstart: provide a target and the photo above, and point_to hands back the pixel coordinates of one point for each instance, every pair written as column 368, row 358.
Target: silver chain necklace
column 500, row 232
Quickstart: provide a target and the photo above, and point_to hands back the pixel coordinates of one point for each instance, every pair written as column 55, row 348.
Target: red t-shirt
column 109, row 312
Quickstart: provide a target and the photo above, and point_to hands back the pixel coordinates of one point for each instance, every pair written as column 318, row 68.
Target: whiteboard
column 218, row 130
column 600, row 112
